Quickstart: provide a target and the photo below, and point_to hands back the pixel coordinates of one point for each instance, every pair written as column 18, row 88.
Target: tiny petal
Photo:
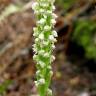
column 49, row 12
column 37, row 40
column 45, row 43
column 42, row 64
column 41, row 52
column 36, row 83
column 41, row 10
column 49, row 67
column 49, row 92
column 35, row 5
column 46, row 55
column 38, row 71
column 41, row 21
column 54, row 15
column 53, row 47
column 35, row 30
column 53, row 7
column 41, row 36
column 45, row 16
column 53, row 21
column 35, row 57
column 47, row 28
column 54, row 33
column 51, row 38
column 52, row 58
column 44, row 4
column 51, row 73
column 54, row 40
column 41, row 81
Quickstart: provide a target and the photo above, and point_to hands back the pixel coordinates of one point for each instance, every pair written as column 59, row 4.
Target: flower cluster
column 45, row 37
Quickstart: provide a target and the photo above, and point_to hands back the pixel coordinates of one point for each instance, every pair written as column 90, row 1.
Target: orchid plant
column 45, row 38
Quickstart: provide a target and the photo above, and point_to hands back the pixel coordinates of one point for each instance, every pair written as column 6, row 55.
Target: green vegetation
column 4, row 86
column 65, row 3
column 85, row 35
column 84, row 32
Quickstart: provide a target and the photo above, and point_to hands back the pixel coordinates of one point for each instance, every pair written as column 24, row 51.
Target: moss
column 85, row 35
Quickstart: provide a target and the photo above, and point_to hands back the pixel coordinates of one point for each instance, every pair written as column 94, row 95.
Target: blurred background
column 75, row 64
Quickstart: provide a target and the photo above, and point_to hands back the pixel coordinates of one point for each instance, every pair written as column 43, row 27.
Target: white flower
column 53, row 46
column 49, row 92
column 38, row 72
column 47, row 28
column 51, row 37
column 41, row 81
column 41, row 10
column 41, row 52
column 34, row 45
column 34, row 48
column 52, row 58
column 49, row 67
column 54, row 15
column 54, row 33
column 45, row 16
column 53, row 7
column 46, row 55
column 51, row 73
column 35, row 34
column 54, row 40
column 35, row 57
column 37, row 40
column 42, row 64
column 36, row 83
column 44, row 4
column 53, row 21
column 35, row 29
column 35, row 6
column 45, row 43
column 41, row 36
column 36, row 12
column 41, row 21
column 49, row 11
